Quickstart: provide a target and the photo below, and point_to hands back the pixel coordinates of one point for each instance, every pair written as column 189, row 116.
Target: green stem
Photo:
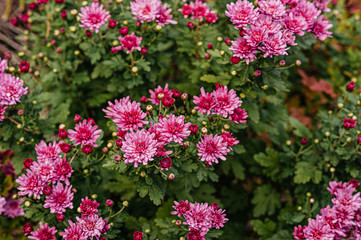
column 343, row 133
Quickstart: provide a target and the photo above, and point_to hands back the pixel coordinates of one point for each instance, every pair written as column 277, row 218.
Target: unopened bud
column 149, row 108
column 340, row 105
column 288, row 142
column 204, row 130
column 233, row 73
column 226, row 126
column 332, row 169
column 327, row 134
column 125, row 203
column 316, row 141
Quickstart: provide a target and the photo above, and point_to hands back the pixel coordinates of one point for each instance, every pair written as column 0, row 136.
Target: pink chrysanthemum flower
column 43, row 232
column 130, row 43
column 267, row 21
column 195, row 234
column 218, row 218
column 88, row 207
column 2, row 204
column 62, row 171
column 199, row 9
column 335, row 186
column 317, row 229
column 274, row 45
column 164, row 16
column 289, row 37
column 128, row 116
column 60, row 199
column 154, row 94
column 145, row 10
column 229, row 139
column 11, row 89
column 2, row 111
column 44, row 151
column 173, row 129
column 44, row 169
column 186, row 10
column 211, row 148
column 298, row 232
column 73, row 232
column 13, row 209
column 93, row 17
column 239, row 116
column 308, row 11
column 85, row 133
column 211, row 17
column 92, row 225
column 242, row 13
column 3, row 65
column 181, row 208
column 198, row 217
column 320, row 28
column 322, row 5
column 204, row 102
column 296, row 23
column 243, row 50
column 225, row 102
column 255, row 35
column 113, row 110
column 139, row 147
column 274, row 8
column 30, row 184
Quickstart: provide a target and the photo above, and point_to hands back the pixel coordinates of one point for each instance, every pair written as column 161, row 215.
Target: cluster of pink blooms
column 48, row 176
column 142, row 146
column 89, row 225
column 198, row 10
column 272, row 25
column 200, row 217
column 11, row 88
column 85, row 134
column 93, row 17
column 150, row 10
column 341, row 221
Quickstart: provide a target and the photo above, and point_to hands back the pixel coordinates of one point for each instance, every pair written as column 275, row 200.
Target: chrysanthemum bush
column 84, row 133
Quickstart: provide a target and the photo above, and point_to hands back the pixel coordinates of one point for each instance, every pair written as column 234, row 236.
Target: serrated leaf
column 299, row 129
column 266, row 200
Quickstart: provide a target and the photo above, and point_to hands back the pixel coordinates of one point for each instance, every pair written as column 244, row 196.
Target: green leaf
column 265, row 228
column 299, row 129
column 306, row 172
column 156, row 194
column 266, row 200
column 238, row 170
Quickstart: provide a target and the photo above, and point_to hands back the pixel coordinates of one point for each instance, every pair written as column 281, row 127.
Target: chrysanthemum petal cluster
column 270, row 28
column 93, row 17
column 11, row 89
column 199, row 10
column 149, row 10
column 86, row 133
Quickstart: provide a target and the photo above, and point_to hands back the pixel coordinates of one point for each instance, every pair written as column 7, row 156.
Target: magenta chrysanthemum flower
column 164, row 16
column 12, row 208
column 195, row 234
column 88, row 207
column 239, row 116
column 145, row 10
column 113, row 110
column 127, row 116
column 60, row 199
column 2, row 204
column 130, row 43
column 267, row 21
column 242, row 13
column 199, row 9
column 320, row 28
column 93, row 17
column 3, row 65
column 204, row 102
column 62, row 171
column 198, row 217
column 274, row 45
column 85, row 133
column 289, row 37
column 44, row 151
column 274, row 8
column 317, row 229
column 2, row 111
column 73, row 232
column 30, row 184
column 92, row 225
column 308, row 11
column 229, row 139
column 43, row 232
column 139, row 147
column 211, row 148
column 173, row 129
column 296, row 23
column 298, row 232
column 11, row 89
column 243, row 50
column 255, row 35
column 225, row 102
column 44, row 169
column 181, row 208
column 322, row 5
column 154, row 94
column 218, row 218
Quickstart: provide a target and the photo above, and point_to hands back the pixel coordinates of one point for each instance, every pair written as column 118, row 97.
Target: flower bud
column 257, row 73
column 94, row 196
column 27, row 204
column 312, row 200
column 184, row 96
column 219, row 39
column 204, row 130
column 298, row 63
column 299, row 208
column 327, row 134
column 288, row 142
column 149, row 108
column 60, row 217
column 171, row 176
column 332, row 169
column 316, row 141
column 109, row 203
column 85, row 171
column 282, row 63
column 348, row 139
column 117, row 158
column 210, row 46
column 125, row 203
column 134, row 69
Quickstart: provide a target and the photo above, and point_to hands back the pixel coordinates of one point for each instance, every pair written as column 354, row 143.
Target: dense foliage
column 173, row 119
